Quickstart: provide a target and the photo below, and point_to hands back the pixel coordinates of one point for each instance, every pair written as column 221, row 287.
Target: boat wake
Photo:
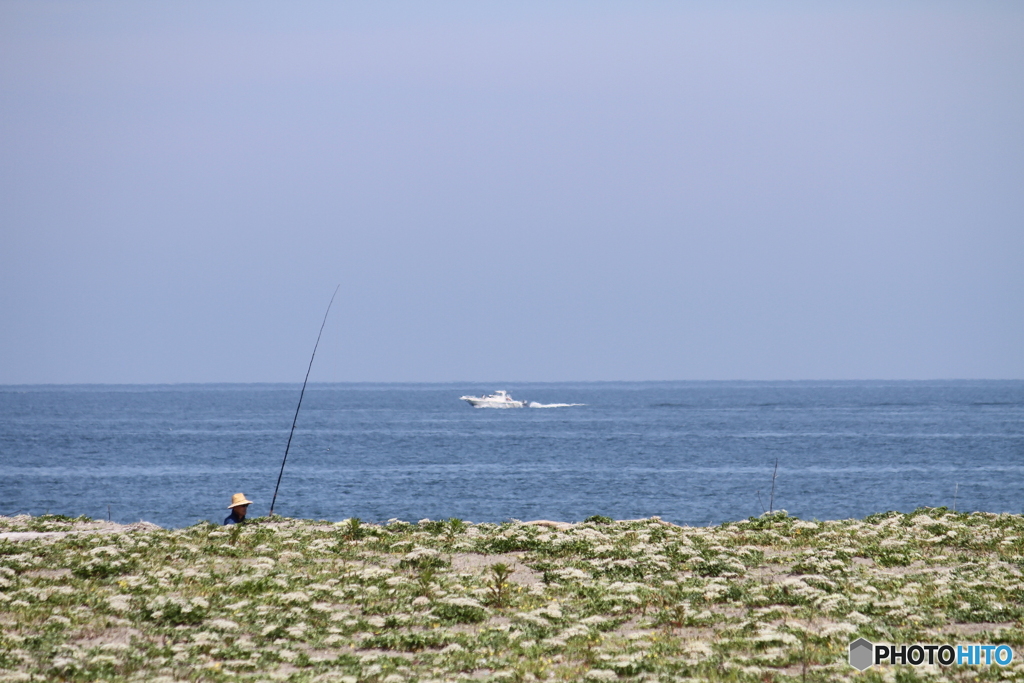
column 501, row 399
column 533, row 404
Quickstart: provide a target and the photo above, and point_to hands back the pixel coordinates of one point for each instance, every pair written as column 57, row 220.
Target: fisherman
column 239, row 505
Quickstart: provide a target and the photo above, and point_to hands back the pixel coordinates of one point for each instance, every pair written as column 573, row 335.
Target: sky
column 527, row 191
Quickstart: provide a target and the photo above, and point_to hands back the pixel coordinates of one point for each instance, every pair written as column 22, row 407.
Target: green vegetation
column 767, row 599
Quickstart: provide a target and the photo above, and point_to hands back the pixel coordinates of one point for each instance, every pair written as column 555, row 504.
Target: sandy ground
column 79, row 528
column 101, row 527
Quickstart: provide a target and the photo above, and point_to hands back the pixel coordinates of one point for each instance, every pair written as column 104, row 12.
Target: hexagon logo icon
column 862, row 654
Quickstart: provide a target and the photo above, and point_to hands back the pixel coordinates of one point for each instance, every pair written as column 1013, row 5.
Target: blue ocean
column 694, row 453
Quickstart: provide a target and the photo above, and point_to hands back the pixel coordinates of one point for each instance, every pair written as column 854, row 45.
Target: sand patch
column 79, row 528
column 972, row 629
column 113, row 636
column 477, row 564
column 52, row 574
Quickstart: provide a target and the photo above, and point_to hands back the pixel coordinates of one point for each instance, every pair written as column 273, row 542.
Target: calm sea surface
column 692, row 452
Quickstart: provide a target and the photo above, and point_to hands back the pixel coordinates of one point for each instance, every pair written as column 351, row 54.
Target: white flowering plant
column 768, row 599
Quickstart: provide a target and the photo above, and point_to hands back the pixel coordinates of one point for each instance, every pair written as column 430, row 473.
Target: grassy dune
column 768, row 599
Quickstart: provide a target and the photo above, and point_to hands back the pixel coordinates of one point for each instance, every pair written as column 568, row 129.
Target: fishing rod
column 301, row 394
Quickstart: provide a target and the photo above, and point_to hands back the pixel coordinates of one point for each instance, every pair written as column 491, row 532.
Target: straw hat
column 238, row 500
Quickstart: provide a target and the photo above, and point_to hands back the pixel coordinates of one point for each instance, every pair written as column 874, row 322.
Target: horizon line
column 497, row 382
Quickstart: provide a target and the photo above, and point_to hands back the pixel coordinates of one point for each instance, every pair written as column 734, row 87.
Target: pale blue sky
column 593, row 191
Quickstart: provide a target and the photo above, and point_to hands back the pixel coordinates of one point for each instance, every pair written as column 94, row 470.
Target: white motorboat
column 499, row 399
